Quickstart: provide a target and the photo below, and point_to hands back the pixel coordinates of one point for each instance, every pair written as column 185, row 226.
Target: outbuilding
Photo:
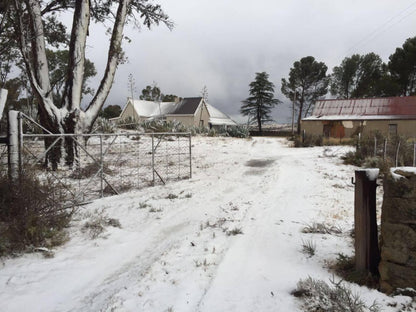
column 192, row 111
column 346, row 118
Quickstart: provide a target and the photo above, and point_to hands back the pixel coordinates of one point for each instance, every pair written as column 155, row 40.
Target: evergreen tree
column 358, row 76
column 259, row 104
column 111, row 111
column 402, row 66
column 309, row 81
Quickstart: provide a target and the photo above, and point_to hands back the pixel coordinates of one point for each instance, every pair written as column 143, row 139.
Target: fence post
column 367, row 254
column 3, row 98
column 303, row 135
column 101, row 167
column 190, row 156
column 13, row 146
column 375, row 146
column 153, row 157
column 397, row 154
column 385, row 149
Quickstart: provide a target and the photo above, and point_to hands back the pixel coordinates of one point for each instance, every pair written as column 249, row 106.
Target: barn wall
column 404, row 127
column 186, row 120
column 129, row 112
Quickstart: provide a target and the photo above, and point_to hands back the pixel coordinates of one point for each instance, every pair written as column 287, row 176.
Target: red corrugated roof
column 392, row 106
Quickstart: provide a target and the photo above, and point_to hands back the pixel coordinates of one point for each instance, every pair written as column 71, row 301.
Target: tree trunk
column 69, row 118
column 259, row 121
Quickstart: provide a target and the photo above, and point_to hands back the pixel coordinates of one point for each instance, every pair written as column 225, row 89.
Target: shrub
column 32, row 214
column 317, row 295
column 97, row 224
column 103, row 125
column 344, row 266
column 321, row 228
column 239, row 131
column 308, row 141
column 353, row 158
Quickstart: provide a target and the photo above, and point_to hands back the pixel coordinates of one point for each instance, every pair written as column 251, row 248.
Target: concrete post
column 3, row 98
column 13, row 145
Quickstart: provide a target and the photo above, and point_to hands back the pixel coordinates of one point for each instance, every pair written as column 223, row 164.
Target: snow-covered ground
column 176, row 249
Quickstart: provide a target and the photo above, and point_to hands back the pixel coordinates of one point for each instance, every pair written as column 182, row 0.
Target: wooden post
column 367, row 254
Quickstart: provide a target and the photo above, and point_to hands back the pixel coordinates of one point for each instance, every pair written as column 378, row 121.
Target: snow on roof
column 359, row 117
column 152, row 109
column 218, row 118
column 187, row 106
column 364, row 109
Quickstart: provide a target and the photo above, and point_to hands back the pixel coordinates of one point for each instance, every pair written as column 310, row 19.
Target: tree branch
column 112, row 62
column 73, row 86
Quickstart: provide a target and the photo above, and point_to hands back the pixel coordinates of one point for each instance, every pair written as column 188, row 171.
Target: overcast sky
column 223, row 43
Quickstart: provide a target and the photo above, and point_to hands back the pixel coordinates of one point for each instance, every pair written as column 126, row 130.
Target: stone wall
column 398, row 231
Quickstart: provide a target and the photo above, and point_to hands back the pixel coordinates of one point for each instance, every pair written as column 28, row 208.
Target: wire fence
column 103, row 164
column 398, row 151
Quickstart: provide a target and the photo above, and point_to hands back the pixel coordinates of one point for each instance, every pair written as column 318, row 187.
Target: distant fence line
column 104, row 164
column 397, row 150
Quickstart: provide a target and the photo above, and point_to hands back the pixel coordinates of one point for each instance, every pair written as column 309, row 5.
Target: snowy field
column 229, row 239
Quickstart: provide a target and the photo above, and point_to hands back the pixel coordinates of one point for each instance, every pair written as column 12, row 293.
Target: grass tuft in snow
column 97, row 224
column 171, row 196
column 235, row 231
column 317, row 295
column 308, row 248
column 344, row 266
column 321, row 228
column 143, row 205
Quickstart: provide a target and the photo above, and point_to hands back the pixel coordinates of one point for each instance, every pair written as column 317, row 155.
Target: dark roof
column 377, row 108
column 187, row 106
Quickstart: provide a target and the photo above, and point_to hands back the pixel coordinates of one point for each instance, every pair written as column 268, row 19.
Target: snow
column 174, row 250
column 397, row 172
column 216, row 117
column 372, row 173
column 153, row 109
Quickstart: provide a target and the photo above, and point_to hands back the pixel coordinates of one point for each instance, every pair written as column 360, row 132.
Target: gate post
column 13, row 145
column 367, row 254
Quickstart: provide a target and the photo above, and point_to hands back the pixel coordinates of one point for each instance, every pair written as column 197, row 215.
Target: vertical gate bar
column 20, row 123
column 397, row 154
column 13, row 145
column 190, row 156
column 153, row 157
column 101, row 167
column 367, row 254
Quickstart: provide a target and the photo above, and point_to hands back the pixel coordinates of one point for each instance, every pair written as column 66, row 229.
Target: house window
column 392, row 129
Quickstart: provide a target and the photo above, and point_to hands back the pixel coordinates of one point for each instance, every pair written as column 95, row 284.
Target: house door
column 327, row 130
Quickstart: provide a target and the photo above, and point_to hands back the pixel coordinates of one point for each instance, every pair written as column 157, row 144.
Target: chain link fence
column 104, row 164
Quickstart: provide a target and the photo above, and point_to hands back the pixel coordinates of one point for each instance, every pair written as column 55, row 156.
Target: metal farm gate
column 103, row 164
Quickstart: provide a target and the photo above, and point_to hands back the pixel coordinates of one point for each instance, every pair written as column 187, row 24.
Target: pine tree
column 259, row 104
column 309, row 81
